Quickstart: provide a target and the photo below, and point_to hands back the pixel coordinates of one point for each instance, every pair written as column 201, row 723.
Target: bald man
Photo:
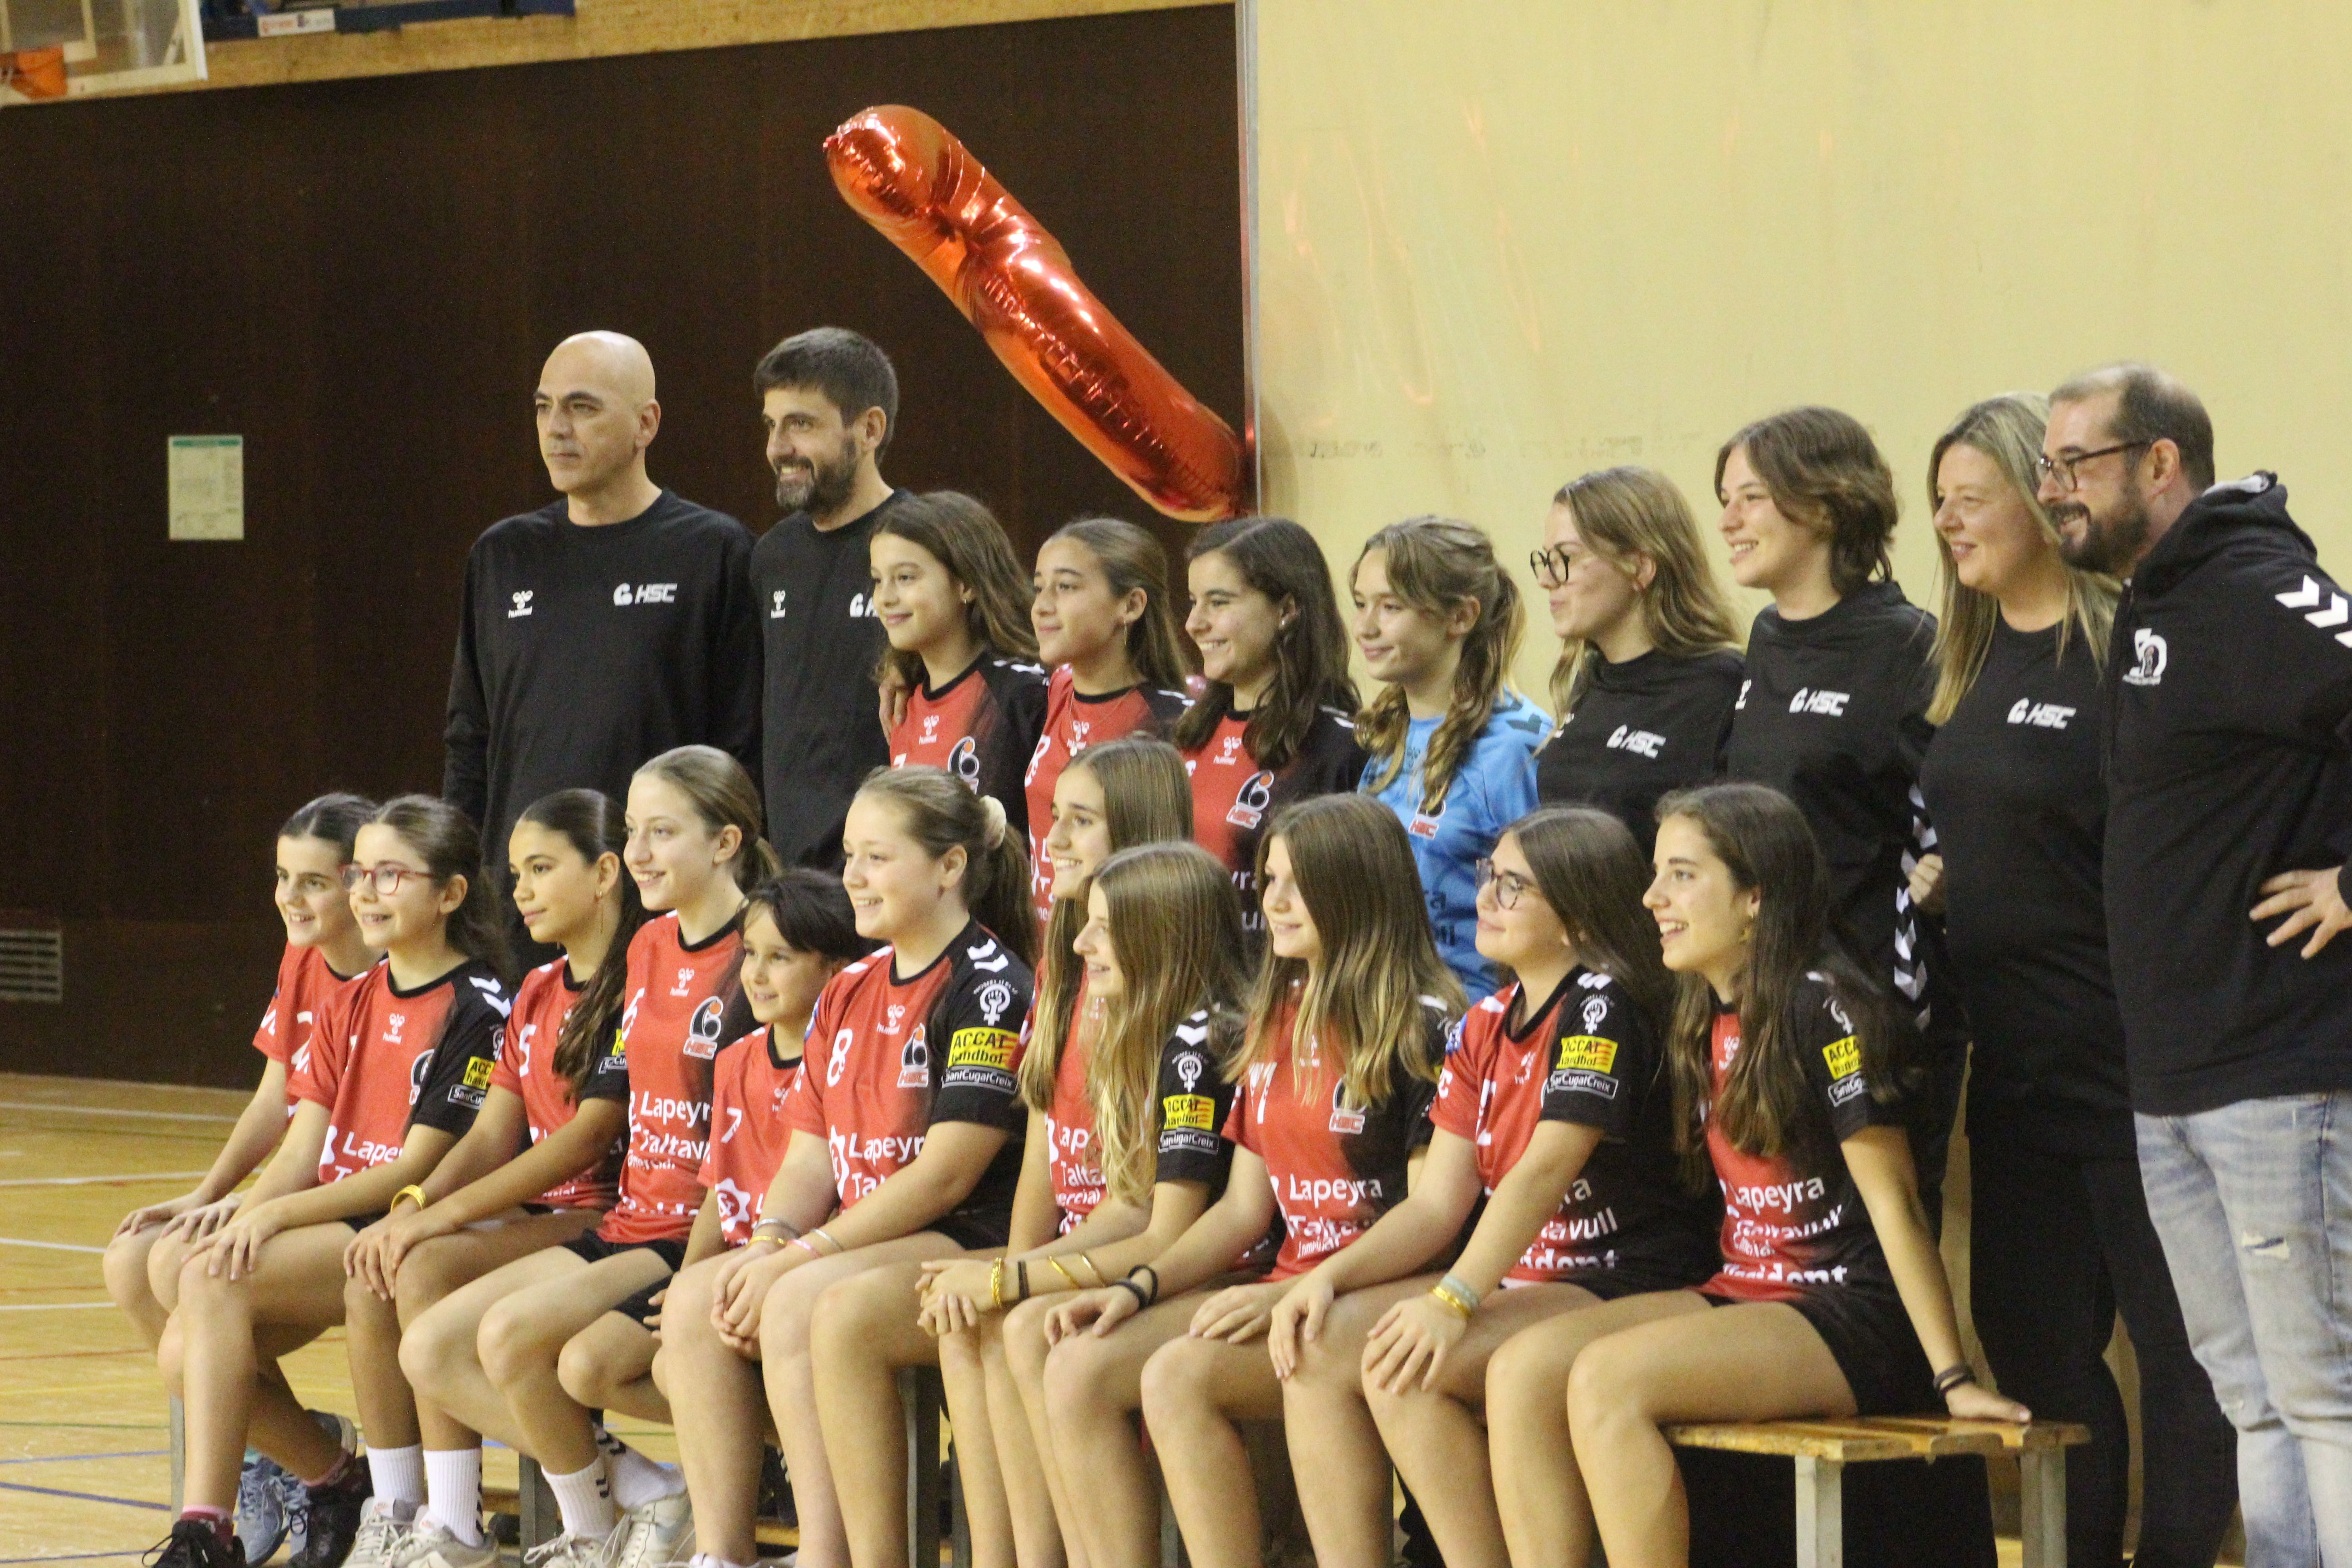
column 609, row 624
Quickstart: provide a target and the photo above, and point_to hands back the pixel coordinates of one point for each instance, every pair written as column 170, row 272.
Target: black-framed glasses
column 1509, row 885
column 385, row 878
column 2062, row 468
column 1553, row 565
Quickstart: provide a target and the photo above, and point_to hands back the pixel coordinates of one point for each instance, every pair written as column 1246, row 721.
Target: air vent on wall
column 32, row 965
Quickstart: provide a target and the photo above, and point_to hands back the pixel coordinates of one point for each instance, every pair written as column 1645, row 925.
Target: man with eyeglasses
column 2229, row 685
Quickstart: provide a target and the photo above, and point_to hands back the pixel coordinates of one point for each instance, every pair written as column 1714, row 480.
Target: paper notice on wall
column 207, row 475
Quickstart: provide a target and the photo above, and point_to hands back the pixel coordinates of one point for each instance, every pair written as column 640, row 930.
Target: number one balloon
column 908, row 175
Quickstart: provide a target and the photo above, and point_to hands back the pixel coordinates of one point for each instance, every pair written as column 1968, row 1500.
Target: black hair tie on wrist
column 1132, row 1289
column 1146, row 1268
column 1952, row 1377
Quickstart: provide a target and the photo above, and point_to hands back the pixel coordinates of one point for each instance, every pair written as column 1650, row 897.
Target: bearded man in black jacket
column 2229, row 755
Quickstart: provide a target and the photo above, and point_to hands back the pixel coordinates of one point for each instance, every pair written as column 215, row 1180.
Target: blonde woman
column 2060, row 1238
column 1449, row 743
column 1649, row 656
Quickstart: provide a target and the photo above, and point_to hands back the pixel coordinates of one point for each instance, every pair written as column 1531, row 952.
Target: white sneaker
column 572, row 1551
column 381, row 1535
column 431, row 1544
column 652, row 1534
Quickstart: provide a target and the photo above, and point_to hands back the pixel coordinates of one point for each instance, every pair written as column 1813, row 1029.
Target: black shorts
column 359, row 1222
column 594, row 1248
column 1616, row 1284
column 640, row 1307
column 1871, row 1338
column 975, row 1232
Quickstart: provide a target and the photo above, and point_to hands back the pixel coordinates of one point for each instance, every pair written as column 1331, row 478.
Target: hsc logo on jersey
column 2149, row 655
column 644, row 594
column 1829, row 704
column 1641, row 743
column 1344, row 1117
column 2041, row 715
column 702, row 1033
column 963, row 761
column 1252, row 804
column 915, row 1061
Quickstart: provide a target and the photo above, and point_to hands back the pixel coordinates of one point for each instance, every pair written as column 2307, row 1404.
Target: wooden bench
column 1822, row 1449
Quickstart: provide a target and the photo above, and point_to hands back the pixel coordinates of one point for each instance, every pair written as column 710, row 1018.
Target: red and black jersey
column 982, row 727
column 1336, row 1167
column 307, row 984
column 1191, row 1102
column 671, row 1027
column 749, row 1133
column 1073, row 723
column 1079, row 1183
column 1234, row 799
column 383, row 1060
column 889, row 1058
column 526, row 1069
column 1794, row 1223
column 1585, row 1056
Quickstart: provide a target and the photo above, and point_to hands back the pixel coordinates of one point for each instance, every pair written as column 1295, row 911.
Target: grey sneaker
column 381, row 1535
column 655, row 1534
column 432, row 1546
column 572, row 1551
column 261, row 1508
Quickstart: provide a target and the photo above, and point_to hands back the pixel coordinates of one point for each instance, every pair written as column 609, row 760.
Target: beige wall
column 1501, row 244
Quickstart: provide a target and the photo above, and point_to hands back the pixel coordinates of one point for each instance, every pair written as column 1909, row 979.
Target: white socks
column 399, row 1477
column 635, row 1479
column 453, row 1491
column 585, row 1501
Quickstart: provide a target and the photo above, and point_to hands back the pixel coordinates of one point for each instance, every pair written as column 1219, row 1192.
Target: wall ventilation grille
column 32, row 966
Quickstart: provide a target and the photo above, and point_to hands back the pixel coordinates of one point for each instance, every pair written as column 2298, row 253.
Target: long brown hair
column 965, row 538
column 1591, row 873
column 1626, row 515
column 940, row 814
column 1766, row 1107
column 446, row 840
column 2008, row 430
column 1132, row 559
column 594, row 825
column 1147, row 799
column 1826, row 475
column 1281, row 561
column 1355, row 871
column 1437, row 564
column 1176, row 928
column 723, row 796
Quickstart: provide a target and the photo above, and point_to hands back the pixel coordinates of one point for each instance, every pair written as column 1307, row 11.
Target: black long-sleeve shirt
column 822, row 730
column 2013, row 785
column 582, row 651
column 1643, row 728
column 2229, row 686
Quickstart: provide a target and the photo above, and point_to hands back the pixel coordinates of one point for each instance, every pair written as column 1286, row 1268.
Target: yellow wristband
column 1451, row 1301
column 412, row 1191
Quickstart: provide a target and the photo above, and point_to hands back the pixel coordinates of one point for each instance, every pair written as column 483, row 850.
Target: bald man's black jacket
column 2229, row 686
column 583, row 651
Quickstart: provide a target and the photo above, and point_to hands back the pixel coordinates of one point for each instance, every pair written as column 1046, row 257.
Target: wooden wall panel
column 361, row 277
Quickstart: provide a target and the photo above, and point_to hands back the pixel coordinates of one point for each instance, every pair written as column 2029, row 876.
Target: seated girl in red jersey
column 905, row 1119
column 1114, row 797
column 323, row 954
column 1834, row 1298
column 950, row 599
column 1107, row 630
column 1347, row 1030
column 799, row 932
column 1276, row 721
column 537, row 1169
column 1555, row 1108
column 488, row 1353
column 395, row 1072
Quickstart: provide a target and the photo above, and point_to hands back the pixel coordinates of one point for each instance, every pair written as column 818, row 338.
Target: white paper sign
column 207, row 475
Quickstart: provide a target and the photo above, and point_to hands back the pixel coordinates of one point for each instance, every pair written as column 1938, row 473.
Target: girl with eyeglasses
column 489, row 1354
column 1108, row 631
column 1438, row 622
column 1554, row 1130
column 1275, row 723
column 1649, row 656
column 323, row 954
column 394, row 1075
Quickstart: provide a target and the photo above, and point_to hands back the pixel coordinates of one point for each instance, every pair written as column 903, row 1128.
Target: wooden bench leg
column 1820, row 1513
column 537, row 1518
column 2041, row 1477
column 919, row 1397
column 179, row 1451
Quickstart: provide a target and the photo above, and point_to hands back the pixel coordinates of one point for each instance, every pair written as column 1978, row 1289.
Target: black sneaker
column 332, row 1517
column 193, row 1543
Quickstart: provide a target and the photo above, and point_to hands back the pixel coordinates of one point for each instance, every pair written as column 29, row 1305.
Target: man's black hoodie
column 2229, row 685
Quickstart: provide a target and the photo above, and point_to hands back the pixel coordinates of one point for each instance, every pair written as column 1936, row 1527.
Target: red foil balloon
column 909, row 176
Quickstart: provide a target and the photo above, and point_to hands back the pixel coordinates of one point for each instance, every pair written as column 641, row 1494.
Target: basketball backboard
column 53, row 49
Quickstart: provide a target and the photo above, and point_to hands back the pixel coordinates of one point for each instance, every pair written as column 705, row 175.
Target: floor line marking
column 49, row 1246
column 56, row 1307
column 113, row 1111
column 69, row 1459
column 84, row 1497
column 101, row 1181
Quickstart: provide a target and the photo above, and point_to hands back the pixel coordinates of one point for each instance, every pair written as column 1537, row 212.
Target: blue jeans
column 2253, row 1204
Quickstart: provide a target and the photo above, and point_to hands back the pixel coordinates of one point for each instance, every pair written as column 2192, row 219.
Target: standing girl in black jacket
column 2059, row 1235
